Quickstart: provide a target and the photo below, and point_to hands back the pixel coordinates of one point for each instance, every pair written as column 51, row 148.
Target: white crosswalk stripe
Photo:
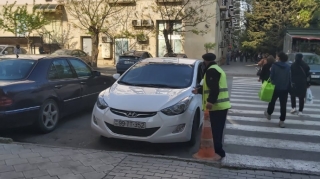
column 253, row 141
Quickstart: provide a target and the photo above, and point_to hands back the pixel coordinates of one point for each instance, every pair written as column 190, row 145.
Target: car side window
column 82, row 70
column 82, row 54
column 60, row 69
column 150, row 55
column 10, row 50
column 75, row 53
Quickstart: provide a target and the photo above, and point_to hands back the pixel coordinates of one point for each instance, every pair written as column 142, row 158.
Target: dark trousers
column 218, row 121
column 283, row 97
column 301, row 102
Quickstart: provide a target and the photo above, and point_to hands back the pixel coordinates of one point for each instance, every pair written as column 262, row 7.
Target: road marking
column 275, row 130
column 234, row 119
column 255, row 95
column 245, row 112
column 267, row 163
column 266, row 105
column 271, row 143
column 233, row 99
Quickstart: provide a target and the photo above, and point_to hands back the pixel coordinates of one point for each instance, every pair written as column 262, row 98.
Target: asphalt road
column 75, row 131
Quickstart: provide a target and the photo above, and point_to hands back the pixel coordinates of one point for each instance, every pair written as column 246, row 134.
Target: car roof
column 33, row 57
column 304, row 53
column 174, row 60
column 134, row 53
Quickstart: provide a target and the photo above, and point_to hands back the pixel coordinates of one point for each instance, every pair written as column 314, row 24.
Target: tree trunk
column 166, row 32
column 95, row 49
column 28, row 45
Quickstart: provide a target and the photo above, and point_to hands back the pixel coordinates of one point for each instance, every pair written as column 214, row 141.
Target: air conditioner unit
column 147, row 23
column 136, row 23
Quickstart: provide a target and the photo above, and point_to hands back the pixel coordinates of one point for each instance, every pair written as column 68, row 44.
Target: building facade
column 61, row 33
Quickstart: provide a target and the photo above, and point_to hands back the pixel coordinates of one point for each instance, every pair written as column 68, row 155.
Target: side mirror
column 116, row 76
column 96, row 73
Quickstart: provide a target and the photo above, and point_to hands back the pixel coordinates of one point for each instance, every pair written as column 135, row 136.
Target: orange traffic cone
column 206, row 150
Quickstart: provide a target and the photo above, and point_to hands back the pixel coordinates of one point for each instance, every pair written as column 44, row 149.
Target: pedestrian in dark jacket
column 300, row 75
column 265, row 72
column 281, row 77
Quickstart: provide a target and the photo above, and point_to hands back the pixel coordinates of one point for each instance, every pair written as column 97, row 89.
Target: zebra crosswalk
column 253, row 141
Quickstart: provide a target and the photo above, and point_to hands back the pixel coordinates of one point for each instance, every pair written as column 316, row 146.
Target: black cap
column 299, row 56
column 209, row 57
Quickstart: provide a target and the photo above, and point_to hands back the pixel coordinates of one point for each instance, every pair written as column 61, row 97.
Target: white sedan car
column 152, row 102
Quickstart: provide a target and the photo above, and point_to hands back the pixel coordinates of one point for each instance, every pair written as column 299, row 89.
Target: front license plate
column 315, row 76
column 128, row 62
column 129, row 124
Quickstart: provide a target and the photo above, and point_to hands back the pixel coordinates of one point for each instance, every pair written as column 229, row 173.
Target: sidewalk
column 240, row 69
column 21, row 161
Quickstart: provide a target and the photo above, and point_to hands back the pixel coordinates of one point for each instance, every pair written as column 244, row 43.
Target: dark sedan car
column 40, row 91
column 313, row 60
column 127, row 59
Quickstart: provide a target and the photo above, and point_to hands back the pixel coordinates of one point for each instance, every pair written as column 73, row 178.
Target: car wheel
column 48, row 116
column 195, row 129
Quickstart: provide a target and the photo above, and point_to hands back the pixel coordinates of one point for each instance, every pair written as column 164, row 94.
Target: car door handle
column 58, row 86
column 82, row 82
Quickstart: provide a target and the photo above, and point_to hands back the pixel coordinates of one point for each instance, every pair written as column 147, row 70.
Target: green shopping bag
column 266, row 91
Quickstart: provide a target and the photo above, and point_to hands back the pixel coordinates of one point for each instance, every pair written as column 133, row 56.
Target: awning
column 305, row 37
column 20, row 40
column 48, row 7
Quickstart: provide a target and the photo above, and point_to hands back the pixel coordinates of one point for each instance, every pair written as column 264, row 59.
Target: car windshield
column 62, row 52
column 159, row 75
column 1, row 48
column 15, row 69
column 312, row 59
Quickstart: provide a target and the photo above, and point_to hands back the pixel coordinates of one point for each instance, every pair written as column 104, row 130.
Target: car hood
column 146, row 99
column 314, row 68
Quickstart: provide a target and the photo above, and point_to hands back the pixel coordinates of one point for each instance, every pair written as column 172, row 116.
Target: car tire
column 195, row 129
column 48, row 116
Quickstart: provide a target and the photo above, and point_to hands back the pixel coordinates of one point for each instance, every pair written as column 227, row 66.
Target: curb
column 204, row 162
column 4, row 140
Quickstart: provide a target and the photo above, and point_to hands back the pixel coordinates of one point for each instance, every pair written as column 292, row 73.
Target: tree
column 18, row 20
column 268, row 21
column 63, row 39
column 190, row 13
column 209, row 46
column 94, row 17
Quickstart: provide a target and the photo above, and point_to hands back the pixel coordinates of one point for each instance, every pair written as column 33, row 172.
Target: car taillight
column 5, row 101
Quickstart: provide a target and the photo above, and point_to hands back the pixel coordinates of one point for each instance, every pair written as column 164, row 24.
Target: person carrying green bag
column 280, row 77
column 266, row 91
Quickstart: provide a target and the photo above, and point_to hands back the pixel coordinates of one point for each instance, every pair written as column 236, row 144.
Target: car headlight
column 101, row 103
column 178, row 108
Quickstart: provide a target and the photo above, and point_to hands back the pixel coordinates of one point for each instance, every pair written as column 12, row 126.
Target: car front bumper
column 160, row 128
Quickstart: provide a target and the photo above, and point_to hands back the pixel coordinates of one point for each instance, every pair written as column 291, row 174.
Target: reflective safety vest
column 223, row 101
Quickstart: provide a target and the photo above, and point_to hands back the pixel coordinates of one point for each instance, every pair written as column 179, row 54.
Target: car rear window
column 128, row 58
column 15, row 69
column 62, row 52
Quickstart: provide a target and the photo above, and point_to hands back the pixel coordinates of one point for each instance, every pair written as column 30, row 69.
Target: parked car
column 9, row 50
column 75, row 53
column 152, row 102
column 39, row 90
column 178, row 55
column 127, row 59
column 313, row 60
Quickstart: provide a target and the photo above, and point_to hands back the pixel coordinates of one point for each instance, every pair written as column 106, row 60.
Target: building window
column 174, row 38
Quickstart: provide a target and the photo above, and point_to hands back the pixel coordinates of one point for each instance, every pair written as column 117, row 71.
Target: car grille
column 132, row 114
column 131, row 131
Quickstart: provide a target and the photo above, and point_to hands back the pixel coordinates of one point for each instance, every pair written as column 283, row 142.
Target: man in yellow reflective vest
column 215, row 97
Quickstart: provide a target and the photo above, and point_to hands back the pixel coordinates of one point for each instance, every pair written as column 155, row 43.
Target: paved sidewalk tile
column 37, row 162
